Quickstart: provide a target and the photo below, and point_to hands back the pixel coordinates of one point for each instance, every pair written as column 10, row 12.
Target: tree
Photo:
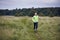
column 51, row 14
column 30, row 11
column 0, row 14
column 17, row 14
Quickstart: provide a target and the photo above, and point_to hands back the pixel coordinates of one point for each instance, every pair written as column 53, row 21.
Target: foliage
column 30, row 11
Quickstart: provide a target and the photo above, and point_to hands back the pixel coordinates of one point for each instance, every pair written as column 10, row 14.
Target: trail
column 37, row 36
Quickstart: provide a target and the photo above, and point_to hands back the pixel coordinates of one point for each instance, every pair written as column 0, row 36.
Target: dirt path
column 37, row 36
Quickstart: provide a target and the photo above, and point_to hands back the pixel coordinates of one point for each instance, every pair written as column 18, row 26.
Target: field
column 21, row 28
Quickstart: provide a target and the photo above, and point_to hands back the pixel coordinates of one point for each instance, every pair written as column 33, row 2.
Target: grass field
column 21, row 28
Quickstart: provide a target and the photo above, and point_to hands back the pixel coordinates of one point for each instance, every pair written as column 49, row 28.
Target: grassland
column 21, row 28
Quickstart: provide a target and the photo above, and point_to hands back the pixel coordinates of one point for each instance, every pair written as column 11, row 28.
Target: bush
column 51, row 14
column 17, row 14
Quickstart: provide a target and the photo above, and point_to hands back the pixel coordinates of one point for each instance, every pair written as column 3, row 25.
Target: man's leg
column 36, row 26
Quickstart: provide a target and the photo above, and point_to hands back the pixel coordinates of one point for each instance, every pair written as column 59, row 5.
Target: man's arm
column 33, row 18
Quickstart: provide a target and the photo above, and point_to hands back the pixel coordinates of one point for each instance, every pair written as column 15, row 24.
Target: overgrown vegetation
column 21, row 28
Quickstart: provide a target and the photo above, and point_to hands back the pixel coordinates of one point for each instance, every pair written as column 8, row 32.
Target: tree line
column 52, row 11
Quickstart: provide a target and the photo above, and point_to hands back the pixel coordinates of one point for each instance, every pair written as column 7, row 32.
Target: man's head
column 35, row 14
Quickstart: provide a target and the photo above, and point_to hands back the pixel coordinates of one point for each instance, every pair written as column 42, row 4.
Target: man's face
column 35, row 13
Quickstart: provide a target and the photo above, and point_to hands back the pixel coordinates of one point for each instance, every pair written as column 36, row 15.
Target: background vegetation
column 52, row 11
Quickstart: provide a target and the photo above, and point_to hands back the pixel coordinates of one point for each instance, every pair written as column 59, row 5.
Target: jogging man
column 35, row 21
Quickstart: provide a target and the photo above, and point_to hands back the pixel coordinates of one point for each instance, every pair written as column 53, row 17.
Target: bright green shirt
column 35, row 18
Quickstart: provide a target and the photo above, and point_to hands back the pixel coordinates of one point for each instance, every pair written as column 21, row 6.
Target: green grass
column 21, row 28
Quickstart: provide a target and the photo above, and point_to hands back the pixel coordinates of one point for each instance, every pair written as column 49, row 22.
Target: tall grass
column 21, row 28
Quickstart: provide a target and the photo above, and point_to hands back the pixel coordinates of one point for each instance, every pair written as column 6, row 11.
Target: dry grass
column 21, row 28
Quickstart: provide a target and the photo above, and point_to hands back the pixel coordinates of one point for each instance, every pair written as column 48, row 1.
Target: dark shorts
column 35, row 25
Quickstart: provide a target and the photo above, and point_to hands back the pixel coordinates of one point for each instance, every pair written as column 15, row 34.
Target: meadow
column 21, row 28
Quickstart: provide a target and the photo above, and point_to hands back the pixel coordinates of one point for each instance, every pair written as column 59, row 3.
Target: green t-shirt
column 35, row 18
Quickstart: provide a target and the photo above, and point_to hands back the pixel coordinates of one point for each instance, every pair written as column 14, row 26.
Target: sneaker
column 35, row 30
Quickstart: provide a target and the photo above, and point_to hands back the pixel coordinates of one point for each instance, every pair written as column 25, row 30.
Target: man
column 35, row 21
